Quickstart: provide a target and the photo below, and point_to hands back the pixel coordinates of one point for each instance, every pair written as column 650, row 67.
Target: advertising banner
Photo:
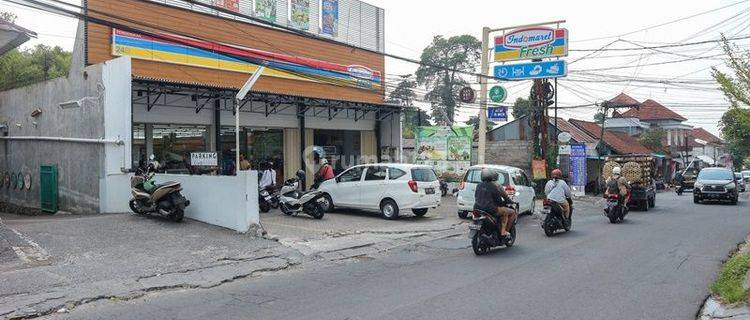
column 578, row 165
column 531, row 43
column 169, row 48
column 232, row 5
column 266, row 10
column 532, row 70
column 330, row 17
column 447, row 149
column 300, row 14
column 539, row 169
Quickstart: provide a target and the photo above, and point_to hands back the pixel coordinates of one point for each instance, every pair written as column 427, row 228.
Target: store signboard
column 532, row 70
column 578, row 165
column 209, row 159
column 171, row 48
column 329, row 23
column 497, row 113
column 531, row 43
column 447, row 149
column 266, row 10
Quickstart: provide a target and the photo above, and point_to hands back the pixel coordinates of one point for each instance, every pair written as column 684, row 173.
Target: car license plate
column 429, row 190
column 474, row 227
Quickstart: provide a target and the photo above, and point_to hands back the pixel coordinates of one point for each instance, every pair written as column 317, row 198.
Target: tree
column 521, row 108
column 404, row 96
column 735, row 123
column 474, row 122
column 20, row 68
column 8, row 16
column 443, row 62
column 653, row 139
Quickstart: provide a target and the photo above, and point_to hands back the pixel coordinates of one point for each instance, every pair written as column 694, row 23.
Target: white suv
column 515, row 181
column 386, row 187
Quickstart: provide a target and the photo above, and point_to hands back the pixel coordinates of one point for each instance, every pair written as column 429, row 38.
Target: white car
column 385, row 187
column 515, row 182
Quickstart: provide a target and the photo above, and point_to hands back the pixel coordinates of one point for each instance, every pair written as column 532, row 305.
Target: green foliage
column 404, row 95
column 442, row 63
column 653, row 139
column 729, row 285
column 599, row 117
column 20, row 68
column 521, row 107
column 735, row 123
column 474, row 122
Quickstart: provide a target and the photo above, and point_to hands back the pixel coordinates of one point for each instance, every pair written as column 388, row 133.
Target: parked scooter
column 293, row 201
column 555, row 220
column 484, row 232
column 163, row 199
column 615, row 209
column 268, row 198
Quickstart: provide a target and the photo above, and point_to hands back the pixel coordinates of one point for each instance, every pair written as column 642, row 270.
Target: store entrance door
column 342, row 148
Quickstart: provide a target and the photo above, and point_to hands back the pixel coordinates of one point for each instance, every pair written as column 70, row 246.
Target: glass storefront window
column 259, row 145
column 172, row 145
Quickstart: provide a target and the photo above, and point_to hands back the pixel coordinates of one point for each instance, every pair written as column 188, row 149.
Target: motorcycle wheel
column 512, row 236
column 568, row 223
column 285, row 210
column 612, row 218
column 443, row 192
column 548, row 230
column 177, row 215
column 479, row 248
column 134, row 206
column 317, row 212
column 264, row 206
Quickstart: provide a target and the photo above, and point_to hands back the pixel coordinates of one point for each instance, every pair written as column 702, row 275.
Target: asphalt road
column 655, row 265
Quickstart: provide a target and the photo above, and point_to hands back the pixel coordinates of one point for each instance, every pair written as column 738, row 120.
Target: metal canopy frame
column 271, row 103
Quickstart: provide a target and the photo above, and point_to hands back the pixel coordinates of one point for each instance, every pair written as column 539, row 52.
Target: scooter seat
column 166, row 184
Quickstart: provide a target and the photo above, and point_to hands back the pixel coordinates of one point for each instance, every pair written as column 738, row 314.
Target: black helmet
column 489, row 175
column 301, row 174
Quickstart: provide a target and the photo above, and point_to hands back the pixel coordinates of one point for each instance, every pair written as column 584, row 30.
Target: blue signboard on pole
column 497, row 113
column 578, row 165
column 532, row 70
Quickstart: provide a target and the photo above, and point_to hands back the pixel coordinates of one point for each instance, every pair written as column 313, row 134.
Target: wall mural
column 170, row 48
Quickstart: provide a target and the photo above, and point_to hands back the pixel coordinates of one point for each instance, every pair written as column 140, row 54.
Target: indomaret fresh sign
column 531, row 43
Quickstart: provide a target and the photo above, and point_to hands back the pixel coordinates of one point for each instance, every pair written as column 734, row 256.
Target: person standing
column 244, row 164
column 268, row 177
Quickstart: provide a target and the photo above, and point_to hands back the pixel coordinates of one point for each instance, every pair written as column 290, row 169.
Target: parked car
column 746, row 176
column 740, row 181
column 715, row 184
column 515, row 181
column 386, row 187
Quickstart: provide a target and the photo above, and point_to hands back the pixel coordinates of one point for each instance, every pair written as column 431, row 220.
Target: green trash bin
column 48, row 188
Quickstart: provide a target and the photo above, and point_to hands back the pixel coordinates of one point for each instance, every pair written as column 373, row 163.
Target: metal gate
column 48, row 187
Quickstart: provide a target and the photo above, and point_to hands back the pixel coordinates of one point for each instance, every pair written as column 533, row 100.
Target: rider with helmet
column 617, row 184
column 491, row 198
column 558, row 191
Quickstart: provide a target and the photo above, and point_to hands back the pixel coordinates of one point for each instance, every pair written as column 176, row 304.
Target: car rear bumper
column 423, row 201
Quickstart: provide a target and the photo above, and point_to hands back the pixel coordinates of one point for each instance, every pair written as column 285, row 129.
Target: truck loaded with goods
column 639, row 171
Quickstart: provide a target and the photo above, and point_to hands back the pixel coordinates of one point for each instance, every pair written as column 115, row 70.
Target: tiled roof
column 700, row 133
column 622, row 99
column 621, row 143
column 652, row 110
column 578, row 134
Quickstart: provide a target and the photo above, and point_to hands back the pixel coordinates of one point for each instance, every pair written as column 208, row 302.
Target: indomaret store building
column 160, row 77
column 322, row 91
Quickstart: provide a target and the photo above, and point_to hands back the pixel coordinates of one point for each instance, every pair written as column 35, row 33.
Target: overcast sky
column 411, row 25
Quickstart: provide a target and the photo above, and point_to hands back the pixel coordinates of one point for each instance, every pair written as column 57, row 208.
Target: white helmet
column 616, row 171
column 323, row 161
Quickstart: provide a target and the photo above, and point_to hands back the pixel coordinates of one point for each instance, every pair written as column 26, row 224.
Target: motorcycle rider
column 617, row 184
column 558, row 191
column 490, row 197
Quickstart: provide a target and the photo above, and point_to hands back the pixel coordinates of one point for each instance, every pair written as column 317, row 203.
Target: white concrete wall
column 226, row 201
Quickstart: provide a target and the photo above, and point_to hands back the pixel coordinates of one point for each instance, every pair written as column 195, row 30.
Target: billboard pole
column 485, row 69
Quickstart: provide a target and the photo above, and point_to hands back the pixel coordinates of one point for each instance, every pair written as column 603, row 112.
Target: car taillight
column 413, row 185
column 476, row 214
column 510, row 190
column 461, row 185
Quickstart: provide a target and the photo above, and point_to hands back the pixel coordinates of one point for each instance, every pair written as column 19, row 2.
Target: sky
column 689, row 89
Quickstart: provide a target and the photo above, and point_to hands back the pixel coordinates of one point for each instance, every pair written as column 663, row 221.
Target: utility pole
column 485, row 69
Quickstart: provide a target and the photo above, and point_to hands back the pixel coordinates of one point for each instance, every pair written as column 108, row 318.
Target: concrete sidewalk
column 51, row 263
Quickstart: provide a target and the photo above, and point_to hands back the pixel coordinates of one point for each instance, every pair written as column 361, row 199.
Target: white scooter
column 293, row 201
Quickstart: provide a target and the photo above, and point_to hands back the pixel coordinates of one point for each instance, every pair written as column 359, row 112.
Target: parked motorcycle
column 443, row 188
column 163, row 199
column 268, row 198
column 485, row 234
column 555, row 220
column 293, row 201
column 615, row 209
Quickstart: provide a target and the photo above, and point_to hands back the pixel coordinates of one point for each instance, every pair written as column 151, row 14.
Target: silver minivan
column 514, row 181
